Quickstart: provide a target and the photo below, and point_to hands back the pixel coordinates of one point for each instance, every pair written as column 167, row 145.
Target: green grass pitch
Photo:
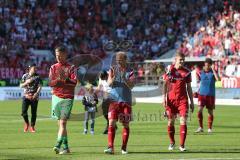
column 148, row 138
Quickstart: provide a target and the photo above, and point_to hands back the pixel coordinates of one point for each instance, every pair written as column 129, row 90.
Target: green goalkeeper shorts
column 61, row 108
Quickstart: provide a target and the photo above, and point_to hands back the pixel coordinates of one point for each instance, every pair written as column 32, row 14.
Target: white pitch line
column 20, row 120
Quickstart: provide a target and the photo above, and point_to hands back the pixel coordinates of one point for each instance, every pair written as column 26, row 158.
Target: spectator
column 153, row 27
column 89, row 101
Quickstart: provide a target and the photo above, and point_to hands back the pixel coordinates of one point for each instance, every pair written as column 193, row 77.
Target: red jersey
column 176, row 81
column 62, row 79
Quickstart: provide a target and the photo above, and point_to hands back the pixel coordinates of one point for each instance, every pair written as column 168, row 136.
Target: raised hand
column 212, row 66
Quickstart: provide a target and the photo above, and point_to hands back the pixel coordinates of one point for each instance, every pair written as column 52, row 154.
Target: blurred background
column 150, row 31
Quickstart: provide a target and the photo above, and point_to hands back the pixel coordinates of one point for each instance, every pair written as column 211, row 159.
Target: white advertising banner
column 140, row 93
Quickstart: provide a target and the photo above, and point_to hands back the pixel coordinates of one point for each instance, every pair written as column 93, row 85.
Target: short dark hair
column 103, row 75
column 61, row 48
column 32, row 65
column 209, row 61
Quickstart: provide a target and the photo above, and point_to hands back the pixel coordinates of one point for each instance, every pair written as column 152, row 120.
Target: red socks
column 111, row 136
column 210, row 121
column 200, row 119
column 183, row 134
column 125, row 135
column 171, row 132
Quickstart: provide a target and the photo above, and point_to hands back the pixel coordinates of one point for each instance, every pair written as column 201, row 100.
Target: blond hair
column 180, row 54
column 121, row 55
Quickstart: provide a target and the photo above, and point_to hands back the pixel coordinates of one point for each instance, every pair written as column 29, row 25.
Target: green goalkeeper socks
column 59, row 142
column 65, row 142
column 62, row 140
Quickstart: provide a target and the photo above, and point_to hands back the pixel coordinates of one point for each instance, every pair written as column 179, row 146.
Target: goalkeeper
column 62, row 79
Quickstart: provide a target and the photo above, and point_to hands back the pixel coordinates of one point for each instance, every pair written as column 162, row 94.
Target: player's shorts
column 177, row 107
column 120, row 111
column 208, row 101
column 61, row 108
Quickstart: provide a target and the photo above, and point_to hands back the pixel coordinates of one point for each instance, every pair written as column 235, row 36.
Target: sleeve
column 188, row 77
column 23, row 78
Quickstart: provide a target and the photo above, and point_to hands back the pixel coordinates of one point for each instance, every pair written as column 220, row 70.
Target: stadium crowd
column 85, row 26
column 218, row 38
